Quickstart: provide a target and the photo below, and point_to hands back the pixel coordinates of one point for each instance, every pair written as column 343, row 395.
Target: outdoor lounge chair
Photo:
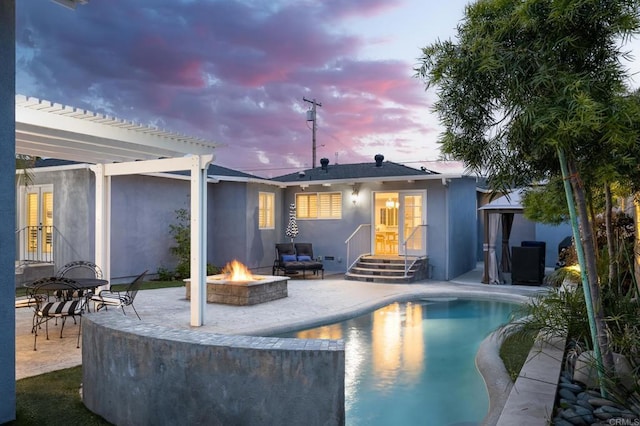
column 289, row 261
column 304, row 253
column 120, row 298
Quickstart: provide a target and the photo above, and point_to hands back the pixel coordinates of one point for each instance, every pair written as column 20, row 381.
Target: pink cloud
column 227, row 71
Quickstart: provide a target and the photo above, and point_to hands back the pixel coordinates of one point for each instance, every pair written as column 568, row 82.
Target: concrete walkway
column 310, row 302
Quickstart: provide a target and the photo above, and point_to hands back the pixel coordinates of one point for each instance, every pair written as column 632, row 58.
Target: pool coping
column 531, row 399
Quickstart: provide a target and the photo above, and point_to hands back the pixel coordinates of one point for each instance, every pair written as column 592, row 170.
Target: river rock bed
column 577, row 405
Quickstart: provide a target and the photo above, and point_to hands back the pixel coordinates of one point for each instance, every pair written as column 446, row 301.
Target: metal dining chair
column 81, row 269
column 120, row 299
column 55, row 298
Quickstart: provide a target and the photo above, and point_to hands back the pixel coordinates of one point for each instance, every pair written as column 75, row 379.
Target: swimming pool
column 414, row 362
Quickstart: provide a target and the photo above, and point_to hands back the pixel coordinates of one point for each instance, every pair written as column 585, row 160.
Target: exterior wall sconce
column 354, row 195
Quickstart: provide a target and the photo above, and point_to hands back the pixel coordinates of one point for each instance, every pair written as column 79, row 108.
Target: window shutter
column 330, row 205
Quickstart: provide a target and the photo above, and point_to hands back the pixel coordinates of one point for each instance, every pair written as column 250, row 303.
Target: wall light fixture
column 354, row 195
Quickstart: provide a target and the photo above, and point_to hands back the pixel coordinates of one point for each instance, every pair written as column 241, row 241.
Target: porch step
column 389, row 269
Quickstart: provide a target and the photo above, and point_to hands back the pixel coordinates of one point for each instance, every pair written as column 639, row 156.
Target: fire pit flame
column 236, row 271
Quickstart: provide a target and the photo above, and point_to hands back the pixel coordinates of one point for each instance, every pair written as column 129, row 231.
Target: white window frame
column 334, row 206
column 266, row 209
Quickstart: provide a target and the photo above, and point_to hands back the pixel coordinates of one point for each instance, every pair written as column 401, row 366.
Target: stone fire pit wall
column 138, row 373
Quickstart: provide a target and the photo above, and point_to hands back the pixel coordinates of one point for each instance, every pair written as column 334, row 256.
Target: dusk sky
column 236, row 72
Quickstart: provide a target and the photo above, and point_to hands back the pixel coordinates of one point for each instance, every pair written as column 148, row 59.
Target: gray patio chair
column 80, row 269
column 120, row 299
column 304, row 255
column 286, row 260
column 55, row 298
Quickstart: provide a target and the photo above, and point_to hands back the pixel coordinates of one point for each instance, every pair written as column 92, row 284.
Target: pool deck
column 310, row 302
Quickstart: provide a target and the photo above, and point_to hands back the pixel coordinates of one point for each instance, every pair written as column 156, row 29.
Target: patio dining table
column 86, row 285
column 79, row 283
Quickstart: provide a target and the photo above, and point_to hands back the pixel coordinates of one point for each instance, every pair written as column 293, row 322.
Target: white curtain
column 494, row 226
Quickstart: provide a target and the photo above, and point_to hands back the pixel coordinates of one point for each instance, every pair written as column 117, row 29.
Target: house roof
column 214, row 171
column 223, row 173
column 47, row 129
column 378, row 170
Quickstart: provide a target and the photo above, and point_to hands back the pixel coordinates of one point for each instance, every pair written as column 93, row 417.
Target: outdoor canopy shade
column 497, row 212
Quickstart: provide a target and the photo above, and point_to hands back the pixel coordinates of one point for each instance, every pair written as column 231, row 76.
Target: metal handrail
column 351, row 237
column 404, row 245
column 41, row 236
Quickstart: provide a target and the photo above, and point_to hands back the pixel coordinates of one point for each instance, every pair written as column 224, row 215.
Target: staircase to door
column 389, row 269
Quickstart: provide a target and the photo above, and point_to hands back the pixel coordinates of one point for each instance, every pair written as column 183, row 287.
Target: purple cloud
column 228, row 71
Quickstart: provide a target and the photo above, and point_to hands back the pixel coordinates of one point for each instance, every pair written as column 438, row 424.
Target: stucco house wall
column 451, row 222
column 328, row 235
column 462, row 236
column 73, row 210
column 233, row 222
column 142, row 210
column 552, row 235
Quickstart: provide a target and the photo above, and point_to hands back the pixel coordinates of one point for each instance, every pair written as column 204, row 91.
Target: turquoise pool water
column 413, row 363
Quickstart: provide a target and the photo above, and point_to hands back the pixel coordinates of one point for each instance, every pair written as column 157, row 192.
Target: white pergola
column 116, row 147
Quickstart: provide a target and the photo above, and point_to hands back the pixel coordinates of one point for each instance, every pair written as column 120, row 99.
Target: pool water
column 413, row 363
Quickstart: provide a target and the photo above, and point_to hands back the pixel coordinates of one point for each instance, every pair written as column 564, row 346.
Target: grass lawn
column 53, row 399
column 514, row 352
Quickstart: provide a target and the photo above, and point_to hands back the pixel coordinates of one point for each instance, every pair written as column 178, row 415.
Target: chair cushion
column 288, row 257
column 303, row 258
column 108, row 299
column 61, row 309
column 25, row 302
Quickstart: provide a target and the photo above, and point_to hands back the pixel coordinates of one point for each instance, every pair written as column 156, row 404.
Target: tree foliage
column 534, row 89
column 546, row 204
column 527, row 77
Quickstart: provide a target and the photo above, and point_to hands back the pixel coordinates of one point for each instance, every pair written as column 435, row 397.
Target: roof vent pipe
column 324, row 162
column 379, row 159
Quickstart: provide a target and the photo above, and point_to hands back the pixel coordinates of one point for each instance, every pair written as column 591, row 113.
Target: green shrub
column 165, row 274
column 181, row 233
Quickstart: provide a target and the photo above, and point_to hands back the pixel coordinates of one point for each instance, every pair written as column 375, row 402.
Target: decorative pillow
column 288, row 257
column 301, row 258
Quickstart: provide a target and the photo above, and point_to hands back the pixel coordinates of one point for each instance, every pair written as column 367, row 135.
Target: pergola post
column 197, row 164
column 198, row 239
column 103, row 221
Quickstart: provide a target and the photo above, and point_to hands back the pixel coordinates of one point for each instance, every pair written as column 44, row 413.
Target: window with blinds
column 322, row 205
column 33, row 220
column 47, row 221
column 266, row 210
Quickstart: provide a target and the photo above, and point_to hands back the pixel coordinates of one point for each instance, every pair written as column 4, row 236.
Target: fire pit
column 238, row 286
